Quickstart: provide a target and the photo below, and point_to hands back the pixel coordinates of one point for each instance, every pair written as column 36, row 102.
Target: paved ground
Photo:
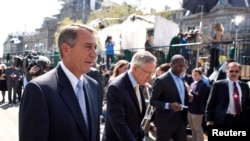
column 9, row 122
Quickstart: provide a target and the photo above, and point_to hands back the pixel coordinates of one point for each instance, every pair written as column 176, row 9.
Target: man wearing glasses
column 228, row 100
column 125, row 102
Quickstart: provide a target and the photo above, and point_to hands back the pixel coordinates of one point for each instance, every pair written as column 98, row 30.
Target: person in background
column 170, row 98
column 215, row 48
column 12, row 74
column 228, row 100
column 126, row 106
column 188, row 79
column 162, row 69
column 109, row 45
column 63, row 104
column 185, row 51
column 149, row 43
column 20, row 87
column 3, row 81
column 173, row 50
column 196, row 108
column 101, row 26
column 193, row 57
column 120, row 67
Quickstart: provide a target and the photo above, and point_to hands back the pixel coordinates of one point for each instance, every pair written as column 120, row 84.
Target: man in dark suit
column 125, row 107
column 52, row 107
column 170, row 97
column 12, row 74
column 220, row 109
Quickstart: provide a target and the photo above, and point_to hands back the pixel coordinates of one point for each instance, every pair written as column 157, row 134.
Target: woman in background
column 109, row 45
column 215, row 49
column 120, row 67
column 3, row 81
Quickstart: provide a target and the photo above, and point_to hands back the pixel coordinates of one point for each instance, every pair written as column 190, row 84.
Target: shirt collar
column 231, row 82
column 132, row 79
column 72, row 78
column 174, row 76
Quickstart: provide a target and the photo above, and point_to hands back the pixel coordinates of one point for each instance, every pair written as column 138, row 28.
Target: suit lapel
column 70, row 99
column 132, row 94
column 89, row 101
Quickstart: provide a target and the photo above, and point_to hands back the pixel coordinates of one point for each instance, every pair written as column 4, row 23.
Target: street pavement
column 9, row 122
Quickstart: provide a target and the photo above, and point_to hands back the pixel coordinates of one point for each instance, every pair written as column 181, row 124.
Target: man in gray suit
column 12, row 73
column 51, row 108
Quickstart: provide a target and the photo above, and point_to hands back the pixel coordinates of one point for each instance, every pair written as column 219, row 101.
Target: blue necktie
column 81, row 99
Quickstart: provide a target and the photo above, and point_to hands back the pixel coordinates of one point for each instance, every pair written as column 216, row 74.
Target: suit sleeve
column 211, row 103
column 158, row 90
column 117, row 115
column 33, row 115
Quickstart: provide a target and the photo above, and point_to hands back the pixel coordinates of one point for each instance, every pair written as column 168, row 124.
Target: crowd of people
column 10, row 81
column 70, row 101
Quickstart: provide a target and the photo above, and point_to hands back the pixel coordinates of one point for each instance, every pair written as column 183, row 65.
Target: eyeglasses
column 234, row 71
column 148, row 73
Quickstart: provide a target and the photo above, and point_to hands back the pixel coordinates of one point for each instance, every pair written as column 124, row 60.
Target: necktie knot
column 79, row 84
column 136, row 87
column 234, row 84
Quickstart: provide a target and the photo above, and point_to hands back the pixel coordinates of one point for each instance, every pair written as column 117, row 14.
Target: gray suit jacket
column 8, row 73
column 49, row 110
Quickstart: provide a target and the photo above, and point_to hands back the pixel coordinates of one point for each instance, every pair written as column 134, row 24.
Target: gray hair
column 69, row 35
column 143, row 57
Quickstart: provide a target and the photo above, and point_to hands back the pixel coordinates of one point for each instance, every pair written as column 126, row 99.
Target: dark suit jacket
column 218, row 101
column 165, row 90
column 50, row 111
column 123, row 118
column 197, row 106
column 188, row 78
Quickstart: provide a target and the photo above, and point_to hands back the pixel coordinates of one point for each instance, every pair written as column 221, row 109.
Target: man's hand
column 34, row 70
column 175, row 106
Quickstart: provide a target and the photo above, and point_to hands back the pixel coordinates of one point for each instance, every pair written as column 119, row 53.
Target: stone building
column 220, row 14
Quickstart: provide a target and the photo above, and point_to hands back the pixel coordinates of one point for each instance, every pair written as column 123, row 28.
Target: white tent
column 131, row 34
column 134, row 31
